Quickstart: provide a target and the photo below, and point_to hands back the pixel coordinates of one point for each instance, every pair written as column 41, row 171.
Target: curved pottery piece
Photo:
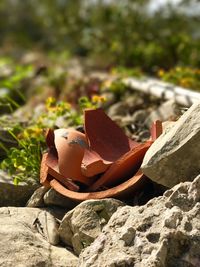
column 93, row 164
column 156, row 129
column 123, row 168
column 44, row 171
column 49, row 170
column 105, row 137
column 103, row 157
column 121, row 191
column 70, row 147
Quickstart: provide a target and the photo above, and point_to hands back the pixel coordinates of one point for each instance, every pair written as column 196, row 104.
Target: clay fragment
column 102, row 158
column 93, row 164
column 105, row 137
column 44, row 171
column 122, row 191
column 70, row 146
column 123, row 168
column 51, row 163
column 50, row 138
column 156, row 130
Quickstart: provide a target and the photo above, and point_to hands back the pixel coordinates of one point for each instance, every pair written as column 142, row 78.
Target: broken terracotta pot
column 49, row 169
column 103, row 157
column 44, row 171
column 66, row 151
column 93, row 164
column 122, row 191
column 52, row 165
column 105, row 137
column 70, row 146
column 122, row 168
column 156, row 130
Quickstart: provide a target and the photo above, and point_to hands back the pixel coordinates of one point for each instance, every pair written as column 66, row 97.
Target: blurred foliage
column 127, row 72
column 12, row 82
column 123, row 32
column 23, row 161
column 183, row 76
column 108, row 34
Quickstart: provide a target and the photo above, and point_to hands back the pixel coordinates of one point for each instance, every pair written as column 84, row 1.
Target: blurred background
column 151, row 34
column 58, row 57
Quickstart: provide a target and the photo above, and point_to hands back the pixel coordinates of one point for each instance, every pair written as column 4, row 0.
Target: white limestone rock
column 175, row 156
column 163, row 233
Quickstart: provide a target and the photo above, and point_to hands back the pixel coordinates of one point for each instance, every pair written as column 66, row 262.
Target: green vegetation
column 23, row 161
column 183, row 76
column 124, row 38
column 12, row 82
column 123, row 32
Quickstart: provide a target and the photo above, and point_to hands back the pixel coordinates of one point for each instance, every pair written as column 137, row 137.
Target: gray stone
column 57, row 212
column 84, row 223
column 25, row 234
column 139, row 116
column 166, row 111
column 14, row 195
column 144, row 135
column 48, row 226
column 54, row 198
column 134, row 101
column 117, row 109
column 175, row 155
column 36, row 199
column 163, row 233
column 167, row 125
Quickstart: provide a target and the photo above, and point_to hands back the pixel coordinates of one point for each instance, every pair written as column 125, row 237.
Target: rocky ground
column 40, row 227
column 164, row 232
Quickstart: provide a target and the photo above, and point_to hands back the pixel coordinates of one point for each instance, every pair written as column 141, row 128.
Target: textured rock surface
column 12, row 195
column 52, row 197
column 84, row 223
column 25, row 234
column 168, row 110
column 163, row 233
column 175, row 155
column 36, row 200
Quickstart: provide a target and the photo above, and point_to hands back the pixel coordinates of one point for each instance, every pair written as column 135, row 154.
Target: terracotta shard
column 103, row 150
column 51, row 163
column 105, row 137
column 156, row 130
column 50, row 138
column 44, row 171
column 70, row 146
column 123, row 168
column 122, row 191
column 93, row 164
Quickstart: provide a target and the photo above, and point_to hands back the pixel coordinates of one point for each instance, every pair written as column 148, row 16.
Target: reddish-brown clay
column 93, row 164
column 105, row 137
column 50, row 138
column 104, row 149
column 70, row 146
column 44, row 171
column 122, row 191
column 45, row 177
column 123, row 168
column 51, row 163
column 156, row 130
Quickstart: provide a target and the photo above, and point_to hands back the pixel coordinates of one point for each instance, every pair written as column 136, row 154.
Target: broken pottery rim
column 128, row 185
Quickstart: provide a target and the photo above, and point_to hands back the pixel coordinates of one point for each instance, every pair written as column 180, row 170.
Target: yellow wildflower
column 98, row 99
column 161, row 73
column 50, row 102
